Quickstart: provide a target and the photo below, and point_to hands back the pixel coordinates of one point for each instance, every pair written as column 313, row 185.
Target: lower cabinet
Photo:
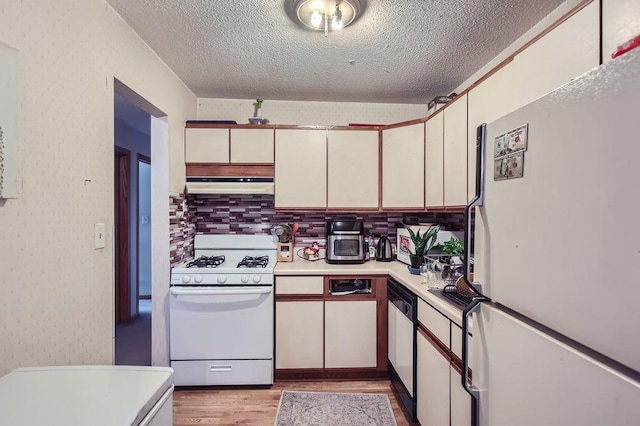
column 460, row 400
column 433, row 383
column 441, row 398
column 323, row 335
column 299, row 328
column 350, row 334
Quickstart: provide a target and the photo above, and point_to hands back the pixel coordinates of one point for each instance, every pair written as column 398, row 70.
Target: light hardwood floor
column 241, row 406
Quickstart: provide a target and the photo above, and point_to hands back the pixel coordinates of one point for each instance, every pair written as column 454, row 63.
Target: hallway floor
column 133, row 340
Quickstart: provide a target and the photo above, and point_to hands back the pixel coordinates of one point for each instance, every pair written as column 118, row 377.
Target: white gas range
column 221, row 311
column 228, row 260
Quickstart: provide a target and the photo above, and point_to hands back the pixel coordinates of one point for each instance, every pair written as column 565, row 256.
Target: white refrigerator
column 556, row 339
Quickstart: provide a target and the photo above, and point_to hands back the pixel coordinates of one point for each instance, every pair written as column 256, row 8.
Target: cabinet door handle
column 220, row 368
column 477, row 201
column 471, row 390
column 220, row 291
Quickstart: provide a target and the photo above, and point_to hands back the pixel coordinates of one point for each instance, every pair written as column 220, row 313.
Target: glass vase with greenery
column 450, row 258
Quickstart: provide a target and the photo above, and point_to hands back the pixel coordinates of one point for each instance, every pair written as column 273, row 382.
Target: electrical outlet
column 99, row 236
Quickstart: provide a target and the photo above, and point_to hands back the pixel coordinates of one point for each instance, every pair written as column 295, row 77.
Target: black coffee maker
column 384, row 251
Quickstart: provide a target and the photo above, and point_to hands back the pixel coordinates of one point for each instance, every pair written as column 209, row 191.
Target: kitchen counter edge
column 396, row 269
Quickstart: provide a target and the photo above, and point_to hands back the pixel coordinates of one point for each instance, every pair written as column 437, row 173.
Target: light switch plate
column 99, row 236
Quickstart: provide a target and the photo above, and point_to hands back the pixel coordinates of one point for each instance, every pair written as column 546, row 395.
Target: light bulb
column 316, row 18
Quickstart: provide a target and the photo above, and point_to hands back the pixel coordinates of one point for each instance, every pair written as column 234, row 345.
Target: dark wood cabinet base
column 330, row 374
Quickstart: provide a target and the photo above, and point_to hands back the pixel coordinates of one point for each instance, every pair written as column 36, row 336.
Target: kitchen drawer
column 299, row 285
column 435, row 322
column 223, row 372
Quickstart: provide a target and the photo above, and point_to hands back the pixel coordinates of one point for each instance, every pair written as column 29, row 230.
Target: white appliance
column 402, row 325
column 230, row 185
column 556, row 340
column 87, row 395
column 221, row 312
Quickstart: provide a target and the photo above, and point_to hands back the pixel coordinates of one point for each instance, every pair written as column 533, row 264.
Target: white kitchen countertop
column 396, row 269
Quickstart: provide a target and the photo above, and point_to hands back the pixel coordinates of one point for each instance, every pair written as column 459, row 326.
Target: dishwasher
column 402, row 350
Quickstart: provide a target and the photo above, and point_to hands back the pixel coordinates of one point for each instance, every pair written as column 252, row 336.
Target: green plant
column 423, row 243
column 450, row 248
column 453, row 247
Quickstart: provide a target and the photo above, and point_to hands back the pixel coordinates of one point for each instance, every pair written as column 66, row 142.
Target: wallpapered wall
column 56, row 291
column 256, row 214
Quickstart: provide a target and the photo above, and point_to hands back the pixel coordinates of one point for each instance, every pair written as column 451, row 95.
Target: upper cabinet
column 335, row 169
column 219, row 145
column 434, row 161
column 620, row 23
column 300, row 168
column 455, row 152
column 251, row 146
column 487, row 102
column 411, row 166
column 352, row 169
column 203, row 145
column 562, row 54
column 403, row 167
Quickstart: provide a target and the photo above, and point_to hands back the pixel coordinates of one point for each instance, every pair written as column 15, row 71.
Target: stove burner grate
column 206, row 262
column 254, row 262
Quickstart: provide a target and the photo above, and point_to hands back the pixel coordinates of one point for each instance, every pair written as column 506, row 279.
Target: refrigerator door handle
column 471, row 390
column 477, row 201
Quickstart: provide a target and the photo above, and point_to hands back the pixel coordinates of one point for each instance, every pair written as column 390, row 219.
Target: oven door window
column 346, row 247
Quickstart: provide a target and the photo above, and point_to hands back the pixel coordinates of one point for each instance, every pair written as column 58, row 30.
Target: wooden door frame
column 141, row 158
column 122, row 160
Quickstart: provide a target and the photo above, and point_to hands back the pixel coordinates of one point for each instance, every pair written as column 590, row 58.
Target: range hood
column 230, row 185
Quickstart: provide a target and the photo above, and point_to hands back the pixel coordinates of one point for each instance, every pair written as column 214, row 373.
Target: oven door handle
column 220, row 291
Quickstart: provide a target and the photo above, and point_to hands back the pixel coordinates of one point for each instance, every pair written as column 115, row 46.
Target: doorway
column 121, row 235
column 132, row 236
column 153, row 124
column 144, row 236
column 144, row 227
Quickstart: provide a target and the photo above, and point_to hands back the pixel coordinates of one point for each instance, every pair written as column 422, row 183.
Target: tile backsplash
column 256, row 214
column 181, row 230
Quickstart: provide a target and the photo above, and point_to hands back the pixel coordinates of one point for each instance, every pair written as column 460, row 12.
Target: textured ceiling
column 398, row 51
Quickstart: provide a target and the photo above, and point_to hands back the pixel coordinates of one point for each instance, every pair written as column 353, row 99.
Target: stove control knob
column 256, row 278
column 186, row 279
column 198, row 279
column 222, row 279
column 244, row 279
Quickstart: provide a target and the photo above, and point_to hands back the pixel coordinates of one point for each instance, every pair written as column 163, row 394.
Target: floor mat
column 325, row 408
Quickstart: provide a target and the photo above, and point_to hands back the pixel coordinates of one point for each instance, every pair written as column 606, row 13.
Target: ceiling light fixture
column 325, row 15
